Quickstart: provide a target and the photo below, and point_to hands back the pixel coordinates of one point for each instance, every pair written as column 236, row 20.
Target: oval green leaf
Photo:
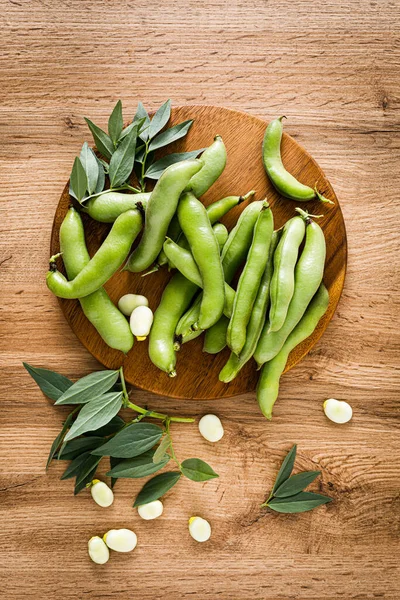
column 160, row 119
column 89, row 387
column 170, row 135
column 121, row 163
column 139, row 466
column 301, row 502
column 78, row 446
column 95, row 414
column 157, row 487
column 115, row 123
column 103, row 142
column 131, row 441
column 91, row 167
column 197, row 470
column 52, row 384
column 296, row 483
column 162, row 448
column 157, row 168
column 286, row 468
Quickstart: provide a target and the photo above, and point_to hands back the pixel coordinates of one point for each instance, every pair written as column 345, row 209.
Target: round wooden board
column 197, row 371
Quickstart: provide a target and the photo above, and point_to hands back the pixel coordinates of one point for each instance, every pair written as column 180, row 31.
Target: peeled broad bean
column 150, row 511
column 101, row 493
column 210, row 427
column 98, row 551
column 338, row 411
column 129, row 302
column 120, row 540
column 141, row 321
column 199, row 529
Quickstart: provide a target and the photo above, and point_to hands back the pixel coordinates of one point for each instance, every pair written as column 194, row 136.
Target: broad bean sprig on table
column 279, row 298
column 95, row 430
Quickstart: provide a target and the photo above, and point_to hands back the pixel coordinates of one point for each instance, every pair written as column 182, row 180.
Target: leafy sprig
column 288, row 495
column 126, row 151
column 94, row 430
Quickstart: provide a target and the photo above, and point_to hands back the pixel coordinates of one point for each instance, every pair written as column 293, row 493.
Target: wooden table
column 334, row 70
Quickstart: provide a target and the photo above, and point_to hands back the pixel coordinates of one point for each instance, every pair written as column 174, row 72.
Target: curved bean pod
column 268, row 384
column 185, row 263
column 250, row 279
column 197, row 228
column 257, row 319
column 107, row 207
column 109, row 322
column 282, row 283
column 107, row 260
column 160, row 209
column 287, row 185
column 175, row 300
column 221, row 233
column 215, row 338
column 185, row 329
column 239, row 240
column 307, row 276
column 214, row 161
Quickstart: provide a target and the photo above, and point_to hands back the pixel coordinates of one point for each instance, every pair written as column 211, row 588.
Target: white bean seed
column 141, row 322
column 199, row 529
column 98, row 550
column 129, row 302
column 338, row 411
column 210, row 427
column 120, row 540
column 152, row 510
column 101, row 493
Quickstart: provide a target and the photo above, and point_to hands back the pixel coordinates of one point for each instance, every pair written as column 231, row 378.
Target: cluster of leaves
column 288, row 495
column 94, row 430
column 127, row 150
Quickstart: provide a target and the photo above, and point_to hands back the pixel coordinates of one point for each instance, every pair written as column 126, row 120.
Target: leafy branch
column 94, row 429
column 288, row 495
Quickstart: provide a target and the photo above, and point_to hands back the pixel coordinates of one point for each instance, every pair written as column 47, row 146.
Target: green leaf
column 102, row 177
column 89, row 387
column 52, row 384
column 157, row 168
column 139, row 466
column 103, row 142
column 139, row 123
column 75, row 465
column 116, row 424
column 286, row 469
column 197, row 470
column 78, row 446
column 78, row 181
column 157, row 487
column 162, row 448
column 55, row 445
column 301, row 502
column 91, row 167
column 296, row 483
column 170, row 135
column 95, row 414
column 131, row 441
column 160, row 119
column 121, row 163
column 115, row 123
column 141, row 113
column 86, row 472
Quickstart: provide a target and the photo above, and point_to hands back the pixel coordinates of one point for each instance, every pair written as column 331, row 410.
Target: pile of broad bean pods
column 279, row 297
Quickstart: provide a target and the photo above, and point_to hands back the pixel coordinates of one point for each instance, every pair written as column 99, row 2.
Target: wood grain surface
column 333, row 68
column 198, row 371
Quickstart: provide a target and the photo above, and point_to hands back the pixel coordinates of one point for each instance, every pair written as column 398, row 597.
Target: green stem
column 121, row 188
column 171, row 447
column 143, row 171
column 143, row 411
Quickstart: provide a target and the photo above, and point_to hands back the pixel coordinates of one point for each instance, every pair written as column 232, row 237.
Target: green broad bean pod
column 160, row 210
column 215, row 337
column 197, row 228
column 107, row 260
column 184, row 262
column 250, row 279
column 175, row 300
column 257, row 319
column 307, row 276
column 188, row 319
column 214, row 161
column 268, row 384
column 108, row 206
column 282, row 283
column 287, row 185
column 109, row 322
column 221, row 233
